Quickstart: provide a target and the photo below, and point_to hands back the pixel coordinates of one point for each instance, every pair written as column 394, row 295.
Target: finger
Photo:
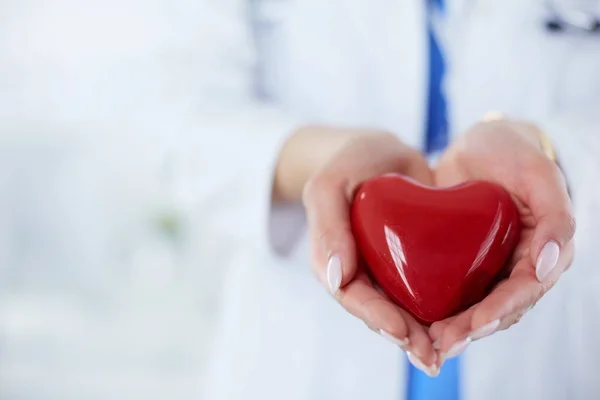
column 436, row 329
column 462, row 328
column 361, row 299
column 420, row 345
column 327, row 211
column 455, row 336
column 520, row 291
column 458, row 334
column 545, row 193
column 513, row 319
column 502, row 308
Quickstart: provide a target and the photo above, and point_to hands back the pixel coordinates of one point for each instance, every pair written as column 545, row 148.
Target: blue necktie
column 446, row 385
column 437, row 123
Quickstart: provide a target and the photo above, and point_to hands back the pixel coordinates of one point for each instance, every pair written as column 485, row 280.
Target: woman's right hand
column 341, row 161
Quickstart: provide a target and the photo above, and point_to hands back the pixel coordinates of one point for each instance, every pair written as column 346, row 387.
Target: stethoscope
column 573, row 15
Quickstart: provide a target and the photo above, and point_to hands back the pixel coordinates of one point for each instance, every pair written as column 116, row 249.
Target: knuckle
column 563, row 226
column 413, row 155
column 338, row 235
column 517, row 319
column 538, row 292
column 511, row 321
column 319, row 185
column 311, row 188
column 544, row 288
column 338, row 241
column 570, row 224
column 326, row 237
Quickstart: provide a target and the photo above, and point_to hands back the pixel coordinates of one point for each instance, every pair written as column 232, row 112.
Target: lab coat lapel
column 362, row 63
column 398, row 65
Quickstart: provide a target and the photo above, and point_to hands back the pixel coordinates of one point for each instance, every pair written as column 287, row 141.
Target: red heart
column 434, row 251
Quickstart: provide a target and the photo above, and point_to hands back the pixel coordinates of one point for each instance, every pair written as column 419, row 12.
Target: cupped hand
column 327, row 198
column 510, row 154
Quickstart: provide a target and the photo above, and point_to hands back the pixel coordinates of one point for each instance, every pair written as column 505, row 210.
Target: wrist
column 537, row 136
column 307, row 151
column 534, row 132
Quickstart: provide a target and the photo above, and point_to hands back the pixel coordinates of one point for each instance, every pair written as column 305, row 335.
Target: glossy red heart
column 434, row 251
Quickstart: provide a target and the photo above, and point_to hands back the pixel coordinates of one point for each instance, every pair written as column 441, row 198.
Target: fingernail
column 456, row 349
column 334, row 274
column 485, row 330
column 546, row 260
column 400, row 343
column 431, row 371
column 437, row 344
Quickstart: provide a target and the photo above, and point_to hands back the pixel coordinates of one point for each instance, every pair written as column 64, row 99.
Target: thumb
column 334, row 249
column 551, row 207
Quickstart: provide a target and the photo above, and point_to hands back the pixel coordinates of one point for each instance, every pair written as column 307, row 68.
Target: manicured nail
column 334, row 274
column 546, row 261
column 437, row 344
column 485, row 330
column 400, row 343
column 431, row 371
column 456, row 349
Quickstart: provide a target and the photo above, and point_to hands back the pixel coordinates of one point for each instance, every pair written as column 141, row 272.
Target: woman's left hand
column 510, row 154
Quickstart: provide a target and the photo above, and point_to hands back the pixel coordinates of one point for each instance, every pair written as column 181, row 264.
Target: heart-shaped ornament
column 434, row 251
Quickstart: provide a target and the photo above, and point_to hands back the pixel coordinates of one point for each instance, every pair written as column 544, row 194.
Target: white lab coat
column 364, row 64
column 178, row 80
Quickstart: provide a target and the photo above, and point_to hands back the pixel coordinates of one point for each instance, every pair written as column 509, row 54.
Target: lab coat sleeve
column 233, row 139
column 236, row 156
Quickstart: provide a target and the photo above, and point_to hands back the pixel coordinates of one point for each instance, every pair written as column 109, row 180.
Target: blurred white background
column 103, row 290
